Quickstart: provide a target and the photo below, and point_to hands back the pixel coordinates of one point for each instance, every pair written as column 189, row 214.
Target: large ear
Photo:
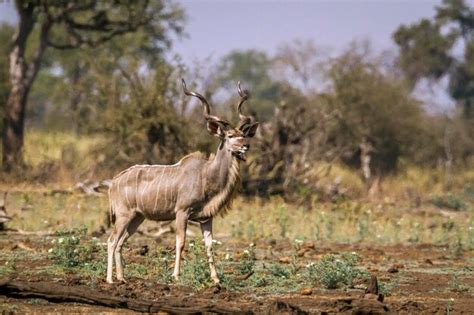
column 215, row 129
column 250, row 130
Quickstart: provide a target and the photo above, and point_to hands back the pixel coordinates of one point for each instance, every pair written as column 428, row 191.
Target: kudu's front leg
column 181, row 225
column 206, row 228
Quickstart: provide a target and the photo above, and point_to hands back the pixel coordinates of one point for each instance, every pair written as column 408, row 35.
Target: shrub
column 195, row 271
column 67, row 250
column 247, row 261
column 331, row 271
column 449, row 201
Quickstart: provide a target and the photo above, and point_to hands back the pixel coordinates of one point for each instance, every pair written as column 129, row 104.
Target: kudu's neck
column 224, row 167
column 222, row 180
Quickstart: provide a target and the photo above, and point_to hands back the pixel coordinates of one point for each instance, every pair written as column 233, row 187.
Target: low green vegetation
column 73, row 250
column 331, row 272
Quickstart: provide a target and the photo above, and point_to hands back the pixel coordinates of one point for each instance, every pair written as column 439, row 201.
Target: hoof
column 110, row 281
column 176, row 278
column 122, row 280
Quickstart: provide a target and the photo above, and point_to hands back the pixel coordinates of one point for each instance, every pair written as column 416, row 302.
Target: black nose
column 246, row 146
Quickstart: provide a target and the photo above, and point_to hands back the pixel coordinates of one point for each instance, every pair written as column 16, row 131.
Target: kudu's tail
column 111, row 213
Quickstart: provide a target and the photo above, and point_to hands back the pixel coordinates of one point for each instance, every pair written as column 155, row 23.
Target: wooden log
column 58, row 293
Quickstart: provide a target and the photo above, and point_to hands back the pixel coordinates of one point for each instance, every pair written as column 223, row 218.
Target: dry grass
column 406, row 209
column 250, row 219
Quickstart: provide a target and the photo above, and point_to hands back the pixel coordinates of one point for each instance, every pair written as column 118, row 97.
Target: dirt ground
column 418, row 279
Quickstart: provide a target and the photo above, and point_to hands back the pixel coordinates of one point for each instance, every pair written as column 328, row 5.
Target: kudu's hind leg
column 120, row 228
column 181, row 225
column 112, row 242
column 130, row 228
column 110, row 254
column 206, row 228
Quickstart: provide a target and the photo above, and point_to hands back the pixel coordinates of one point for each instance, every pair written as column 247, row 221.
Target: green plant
column 279, row 271
column 159, row 264
column 33, row 301
column 415, row 236
column 67, row 250
column 247, row 261
column 362, row 228
column 385, row 288
column 8, row 267
column 259, row 280
column 195, row 271
column 456, row 247
column 251, row 228
column 449, row 201
column 332, row 271
column 456, row 285
column 136, row 270
column 449, row 306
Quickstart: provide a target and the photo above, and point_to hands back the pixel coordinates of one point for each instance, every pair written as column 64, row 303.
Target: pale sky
column 217, row 27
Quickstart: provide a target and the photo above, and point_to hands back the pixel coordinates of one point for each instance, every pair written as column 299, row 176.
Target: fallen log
column 58, row 293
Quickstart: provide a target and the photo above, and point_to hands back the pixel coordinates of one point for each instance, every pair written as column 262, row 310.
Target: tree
column 428, row 50
column 252, row 68
column 6, row 32
column 70, row 25
column 137, row 112
column 376, row 114
column 300, row 63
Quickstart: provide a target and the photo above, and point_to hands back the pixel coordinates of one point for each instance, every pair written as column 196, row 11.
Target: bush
column 449, row 201
column 67, row 250
column 195, row 271
column 331, row 271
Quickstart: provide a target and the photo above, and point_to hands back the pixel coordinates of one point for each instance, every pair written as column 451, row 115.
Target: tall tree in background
column 375, row 112
column 252, row 68
column 6, row 32
column 429, row 50
column 69, row 25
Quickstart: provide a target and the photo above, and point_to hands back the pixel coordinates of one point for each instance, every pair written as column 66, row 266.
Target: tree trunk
column 14, row 128
column 22, row 75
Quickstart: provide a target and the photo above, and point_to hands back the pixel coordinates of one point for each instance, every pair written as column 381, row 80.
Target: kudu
column 195, row 188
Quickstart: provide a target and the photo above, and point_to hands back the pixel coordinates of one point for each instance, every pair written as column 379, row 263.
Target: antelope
column 194, row 189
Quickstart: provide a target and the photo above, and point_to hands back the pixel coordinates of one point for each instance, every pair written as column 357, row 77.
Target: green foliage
column 247, row 260
column 424, row 50
column 456, row 285
column 159, row 263
column 140, row 116
column 374, row 107
column 427, row 50
column 69, row 252
column 332, row 272
column 448, row 201
column 9, row 267
column 252, row 68
column 279, row 271
column 195, row 270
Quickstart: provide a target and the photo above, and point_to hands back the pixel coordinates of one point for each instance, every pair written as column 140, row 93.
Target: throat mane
column 222, row 201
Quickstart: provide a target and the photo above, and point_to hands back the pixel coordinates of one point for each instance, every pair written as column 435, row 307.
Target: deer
column 195, row 189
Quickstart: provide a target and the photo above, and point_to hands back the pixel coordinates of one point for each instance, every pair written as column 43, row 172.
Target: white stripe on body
column 157, row 190
column 118, row 186
column 126, row 191
column 136, row 188
column 166, row 192
column 144, row 190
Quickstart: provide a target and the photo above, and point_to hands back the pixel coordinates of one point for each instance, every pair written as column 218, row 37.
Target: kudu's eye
column 230, row 136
